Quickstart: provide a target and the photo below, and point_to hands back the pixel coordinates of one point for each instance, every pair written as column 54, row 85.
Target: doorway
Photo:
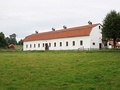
column 100, row 45
column 46, row 46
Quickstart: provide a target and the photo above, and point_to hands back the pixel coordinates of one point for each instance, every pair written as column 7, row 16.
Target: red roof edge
column 62, row 33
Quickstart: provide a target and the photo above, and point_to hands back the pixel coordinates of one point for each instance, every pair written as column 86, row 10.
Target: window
column 49, row 44
column 60, row 44
column 43, row 44
column 30, row 46
column 93, row 43
column 66, row 43
column 81, row 42
column 26, row 46
column 99, row 27
column 73, row 43
column 38, row 45
column 34, row 45
column 109, row 44
column 54, row 44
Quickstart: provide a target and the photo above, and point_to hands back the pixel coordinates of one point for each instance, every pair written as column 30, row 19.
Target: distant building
column 110, row 44
column 81, row 37
column 11, row 46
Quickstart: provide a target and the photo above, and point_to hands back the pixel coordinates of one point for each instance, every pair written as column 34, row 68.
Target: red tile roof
column 63, row 33
column 117, row 44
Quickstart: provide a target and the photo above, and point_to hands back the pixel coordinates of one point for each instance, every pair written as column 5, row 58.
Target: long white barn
column 81, row 37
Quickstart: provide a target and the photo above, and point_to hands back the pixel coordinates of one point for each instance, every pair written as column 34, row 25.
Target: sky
column 24, row 17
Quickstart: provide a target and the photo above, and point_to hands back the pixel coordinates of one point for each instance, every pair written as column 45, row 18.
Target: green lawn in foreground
column 60, row 70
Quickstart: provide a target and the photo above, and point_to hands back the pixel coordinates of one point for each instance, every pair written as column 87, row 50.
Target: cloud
column 23, row 17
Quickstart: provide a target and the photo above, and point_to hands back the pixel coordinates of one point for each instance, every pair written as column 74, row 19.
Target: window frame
column 81, row 42
column 60, row 44
column 66, row 43
column 38, row 44
column 54, row 44
column 93, row 43
column 73, row 43
column 30, row 45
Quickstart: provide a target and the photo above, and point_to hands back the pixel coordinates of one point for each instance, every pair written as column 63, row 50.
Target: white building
column 81, row 37
column 110, row 44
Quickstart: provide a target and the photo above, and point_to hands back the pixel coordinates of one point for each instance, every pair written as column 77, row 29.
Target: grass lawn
column 18, row 47
column 60, row 70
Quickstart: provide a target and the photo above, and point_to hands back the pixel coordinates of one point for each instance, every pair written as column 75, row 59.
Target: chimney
column 64, row 27
column 53, row 29
column 89, row 22
column 36, row 32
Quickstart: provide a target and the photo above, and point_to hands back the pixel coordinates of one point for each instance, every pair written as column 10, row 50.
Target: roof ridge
column 84, row 26
column 62, row 33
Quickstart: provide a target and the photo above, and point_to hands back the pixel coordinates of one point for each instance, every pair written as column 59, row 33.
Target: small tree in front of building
column 111, row 26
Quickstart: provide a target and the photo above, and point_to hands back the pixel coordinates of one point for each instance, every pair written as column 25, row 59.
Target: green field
column 60, row 70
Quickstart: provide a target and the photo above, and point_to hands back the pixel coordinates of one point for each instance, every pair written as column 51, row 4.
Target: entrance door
column 46, row 47
column 100, row 45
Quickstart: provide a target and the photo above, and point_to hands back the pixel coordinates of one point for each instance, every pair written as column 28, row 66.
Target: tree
column 111, row 26
column 3, row 42
column 8, row 40
column 13, row 39
column 20, row 42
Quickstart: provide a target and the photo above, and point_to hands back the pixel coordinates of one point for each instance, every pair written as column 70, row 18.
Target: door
column 46, row 47
column 100, row 45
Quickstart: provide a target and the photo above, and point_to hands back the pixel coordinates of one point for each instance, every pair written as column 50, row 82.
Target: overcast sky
column 24, row 17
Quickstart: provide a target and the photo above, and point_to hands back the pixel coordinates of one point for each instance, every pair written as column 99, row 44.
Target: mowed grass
column 18, row 47
column 60, row 70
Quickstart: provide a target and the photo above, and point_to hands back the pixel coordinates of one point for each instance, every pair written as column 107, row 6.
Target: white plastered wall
column 85, row 39
column 95, row 37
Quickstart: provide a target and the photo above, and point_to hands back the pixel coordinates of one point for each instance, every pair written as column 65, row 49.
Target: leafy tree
column 8, row 40
column 20, row 42
column 11, row 39
column 3, row 42
column 111, row 26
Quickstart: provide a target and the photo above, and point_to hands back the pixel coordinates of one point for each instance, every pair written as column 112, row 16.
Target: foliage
column 60, row 70
column 3, row 42
column 20, row 42
column 111, row 26
column 11, row 39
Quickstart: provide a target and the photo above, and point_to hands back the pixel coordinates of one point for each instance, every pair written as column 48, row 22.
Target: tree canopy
column 11, row 39
column 6, row 41
column 3, row 42
column 20, row 42
column 111, row 26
